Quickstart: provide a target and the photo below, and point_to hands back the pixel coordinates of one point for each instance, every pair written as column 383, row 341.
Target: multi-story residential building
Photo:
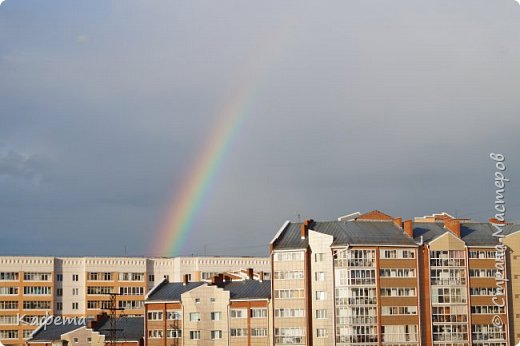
column 221, row 312
column 373, row 280
column 82, row 286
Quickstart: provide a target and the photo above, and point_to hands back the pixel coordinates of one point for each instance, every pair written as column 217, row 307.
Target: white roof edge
column 349, row 217
column 164, row 280
column 284, row 226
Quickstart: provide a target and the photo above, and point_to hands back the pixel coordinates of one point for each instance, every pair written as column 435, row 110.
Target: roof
column 244, row 289
column 53, row 331
column 128, row 328
column 375, row 215
column 345, row 232
column 472, row 233
column 171, row 291
column 248, row 289
column 382, row 232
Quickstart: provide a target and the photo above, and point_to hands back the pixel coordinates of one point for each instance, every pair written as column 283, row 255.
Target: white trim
column 161, row 302
column 164, row 280
column 349, row 217
column 448, row 232
column 284, row 226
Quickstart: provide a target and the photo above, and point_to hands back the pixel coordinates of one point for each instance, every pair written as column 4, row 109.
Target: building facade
column 372, row 279
column 34, row 287
column 222, row 312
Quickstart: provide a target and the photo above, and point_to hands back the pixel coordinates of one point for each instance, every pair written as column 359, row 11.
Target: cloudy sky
column 105, row 107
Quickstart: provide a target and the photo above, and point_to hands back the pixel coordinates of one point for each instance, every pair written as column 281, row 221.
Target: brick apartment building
column 81, row 286
column 372, row 279
column 222, row 312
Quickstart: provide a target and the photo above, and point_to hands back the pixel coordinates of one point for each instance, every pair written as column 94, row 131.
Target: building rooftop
column 244, row 289
column 128, row 328
column 53, row 331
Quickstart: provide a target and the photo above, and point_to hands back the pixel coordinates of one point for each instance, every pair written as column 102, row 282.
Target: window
column 321, row 313
column 155, row 315
column 289, row 335
column 288, row 275
column 319, row 276
column 99, row 276
column 197, row 300
column 36, row 305
column 36, row 290
column 321, row 333
column 75, row 306
column 151, row 278
column 238, row 313
column 131, row 304
column 8, row 305
column 75, row 277
column 155, row 334
column 9, row 291
column 75, row 291
column 194, row 316
column 398, row 292
column 59, row 306
column 59, row 292
column 289, row 313
column 258, row 313
column 321, row 295
column 131, row 276
column 173, row 315
column 288, row 256
column 131, row 291
column 89, row 340
column 8, row 276
column 319, row 257
column 257, row 332
column 398, row 310
column 215, row 316
column 9, row 320
column 174, row 333
column 59, row 277
column 194, row 334
column 211, row 300
column 8, row 334
column 238, row 332
column 397, row 254
column 289, row 293
column 36, row 276
column 76, row 340
column 397, row 273
column 99, row 290
column 216, row 334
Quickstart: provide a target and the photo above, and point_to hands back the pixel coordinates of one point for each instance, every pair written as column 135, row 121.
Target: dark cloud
column 105, row 107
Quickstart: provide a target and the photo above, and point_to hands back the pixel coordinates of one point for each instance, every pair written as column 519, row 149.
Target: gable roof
column 248, row 289
column 472, row 233
column 345, row 232
column 53, row 331
column 171, row 291
column 128, row 328
column 375, row 215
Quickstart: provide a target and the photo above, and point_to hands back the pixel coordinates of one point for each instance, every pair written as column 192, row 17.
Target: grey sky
column 391, row 105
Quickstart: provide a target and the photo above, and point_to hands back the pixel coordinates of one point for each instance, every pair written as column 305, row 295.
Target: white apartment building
column 33, row 287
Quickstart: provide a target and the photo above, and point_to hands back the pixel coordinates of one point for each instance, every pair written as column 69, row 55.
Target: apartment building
column 371, row 279
column 33, row 287
column 221, row 312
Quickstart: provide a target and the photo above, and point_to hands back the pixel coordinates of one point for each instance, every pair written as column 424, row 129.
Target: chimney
column 304, row 229
column 408, row 227
column 91, row 324
column 250, row 273
column 261, row 276
column 185, row 279
column 398, row 221
column 453, row 225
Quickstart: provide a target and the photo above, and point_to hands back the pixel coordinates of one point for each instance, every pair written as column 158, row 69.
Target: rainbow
column 188, row 203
